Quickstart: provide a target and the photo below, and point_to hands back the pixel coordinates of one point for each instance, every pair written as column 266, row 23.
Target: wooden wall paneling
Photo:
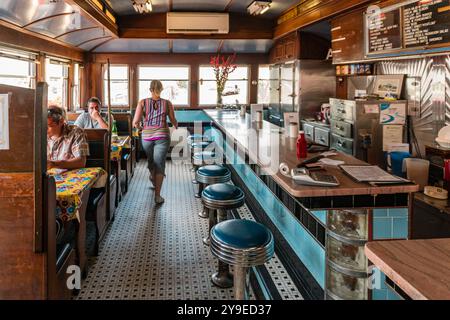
column 323, row 10
column 40, row 163
column 134, row 85
column 253, row 83
column 241, row 27
column 348, row 37
column 23, row 273
column 21, row 130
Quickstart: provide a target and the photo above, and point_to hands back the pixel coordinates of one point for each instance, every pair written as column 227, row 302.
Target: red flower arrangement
column 222, row 66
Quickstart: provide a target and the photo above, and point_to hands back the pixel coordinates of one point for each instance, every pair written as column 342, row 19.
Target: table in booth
column 123, row 142
column 70, row 186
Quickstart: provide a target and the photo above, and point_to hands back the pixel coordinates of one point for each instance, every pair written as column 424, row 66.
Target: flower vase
column 219, row 104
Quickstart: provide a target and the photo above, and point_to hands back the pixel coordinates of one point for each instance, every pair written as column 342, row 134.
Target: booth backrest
column 99, row 148
column 123, row 123
column 72, row 116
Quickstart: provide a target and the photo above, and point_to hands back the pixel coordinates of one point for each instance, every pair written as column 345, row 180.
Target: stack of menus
column 408, row 25
column 371, row 174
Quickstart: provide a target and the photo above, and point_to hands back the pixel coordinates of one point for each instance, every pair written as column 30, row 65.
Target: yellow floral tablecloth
column 117, row 146
column 70, row 186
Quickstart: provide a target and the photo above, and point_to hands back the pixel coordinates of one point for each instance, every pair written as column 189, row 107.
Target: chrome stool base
column 223, row 277
column 203, row 214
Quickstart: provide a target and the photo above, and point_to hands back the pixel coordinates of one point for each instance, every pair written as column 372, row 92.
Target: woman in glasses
column 155, row 133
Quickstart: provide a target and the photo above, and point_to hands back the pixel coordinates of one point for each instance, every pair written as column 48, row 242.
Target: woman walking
column 155, row 133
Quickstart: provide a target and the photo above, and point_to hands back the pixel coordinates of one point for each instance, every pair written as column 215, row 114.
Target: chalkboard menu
column 426, row 23
column 413, row 24
column 384, row 31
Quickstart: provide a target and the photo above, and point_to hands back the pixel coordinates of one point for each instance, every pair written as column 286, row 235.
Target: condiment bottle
column 301, row 146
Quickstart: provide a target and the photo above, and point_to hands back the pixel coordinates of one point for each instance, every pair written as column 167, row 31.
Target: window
column 56, row 76
column 19, row 73
column 263, row 84
column 119, row 85
column 175, row 81
column 236, row 88
column 76, row 87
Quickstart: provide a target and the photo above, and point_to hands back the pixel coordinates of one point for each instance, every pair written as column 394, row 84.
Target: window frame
column 32, row 69
column 76, row 83
column 265, row 65
column 104, row 70
column 65, row 77
column 188, row 66
column 247, row 98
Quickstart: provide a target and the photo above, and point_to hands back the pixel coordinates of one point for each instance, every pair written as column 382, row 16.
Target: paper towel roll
column 293, row 130
column 284, row 169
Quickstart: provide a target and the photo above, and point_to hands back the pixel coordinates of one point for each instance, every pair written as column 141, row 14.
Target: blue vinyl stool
column 210, row 174
column 217, row 199
column 197, row 138
column 242, row 244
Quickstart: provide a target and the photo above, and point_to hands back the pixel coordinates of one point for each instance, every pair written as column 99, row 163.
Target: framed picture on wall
column 389, row 86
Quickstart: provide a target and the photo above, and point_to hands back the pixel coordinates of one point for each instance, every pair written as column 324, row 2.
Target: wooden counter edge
column 371, row 254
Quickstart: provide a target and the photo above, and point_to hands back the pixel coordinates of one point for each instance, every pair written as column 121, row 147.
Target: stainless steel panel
column 91, row 44
column 434, row 75
column 322, row 136
column 58, row 25
column 80, row 36
column 22, row 12
column 309, row 131
column 342, row 128
column 342, row 144
column 342, row 110
column 316, row 84
column 354, row 83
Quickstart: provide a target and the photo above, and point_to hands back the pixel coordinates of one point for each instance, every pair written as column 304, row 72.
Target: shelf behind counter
column 303, row 218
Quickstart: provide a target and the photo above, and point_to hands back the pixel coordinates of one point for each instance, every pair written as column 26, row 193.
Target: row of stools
column 236, row 242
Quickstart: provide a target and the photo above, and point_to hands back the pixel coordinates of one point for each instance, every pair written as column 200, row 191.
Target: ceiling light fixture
column 142, row 6
column 258, row 7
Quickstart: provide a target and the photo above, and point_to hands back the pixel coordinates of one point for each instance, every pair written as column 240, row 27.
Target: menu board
column 411, row 24
column 384, row 31
column 426, row 23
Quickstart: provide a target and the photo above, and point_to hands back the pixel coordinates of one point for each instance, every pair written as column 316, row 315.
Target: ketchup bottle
column 301, row 146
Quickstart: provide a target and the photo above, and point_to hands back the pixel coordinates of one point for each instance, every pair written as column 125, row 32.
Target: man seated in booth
column 67, row 146
column 92, row 119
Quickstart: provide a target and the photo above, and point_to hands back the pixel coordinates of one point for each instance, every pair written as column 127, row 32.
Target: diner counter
column 419, row 267
column 241, row 128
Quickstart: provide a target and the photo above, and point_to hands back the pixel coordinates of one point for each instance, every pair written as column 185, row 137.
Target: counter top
column 419, row 267
column 267, row 134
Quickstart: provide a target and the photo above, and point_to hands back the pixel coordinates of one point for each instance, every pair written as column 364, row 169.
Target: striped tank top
column 155, row 124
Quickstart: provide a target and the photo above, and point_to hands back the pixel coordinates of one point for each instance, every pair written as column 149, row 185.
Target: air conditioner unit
column 197, row 22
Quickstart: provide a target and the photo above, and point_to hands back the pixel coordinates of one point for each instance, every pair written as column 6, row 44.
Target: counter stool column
column 210, row 174
column 220, row 198
column 202, row 158
column 242, row 244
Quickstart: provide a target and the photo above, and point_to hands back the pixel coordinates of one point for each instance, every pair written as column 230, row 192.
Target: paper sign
column 4, row 122
column 392, row 113
column 392, row 135
column 398, row 147
column 371, row 108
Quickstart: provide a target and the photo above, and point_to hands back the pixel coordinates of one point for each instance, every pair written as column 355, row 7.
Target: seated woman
column 92, row 119
column 67, row 145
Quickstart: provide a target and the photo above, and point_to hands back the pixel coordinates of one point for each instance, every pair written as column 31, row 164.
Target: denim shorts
column 156, row 152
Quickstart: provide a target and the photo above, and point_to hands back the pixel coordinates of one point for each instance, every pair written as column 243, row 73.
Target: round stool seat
column 242, row 242
column 222, row 196
column 211, row 174
column 200, row 144
column 204, row 155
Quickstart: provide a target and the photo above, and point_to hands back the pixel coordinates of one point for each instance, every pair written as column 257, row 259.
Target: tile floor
column 152, row 252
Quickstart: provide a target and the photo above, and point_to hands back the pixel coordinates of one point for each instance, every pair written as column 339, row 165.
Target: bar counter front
column 320, row 232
